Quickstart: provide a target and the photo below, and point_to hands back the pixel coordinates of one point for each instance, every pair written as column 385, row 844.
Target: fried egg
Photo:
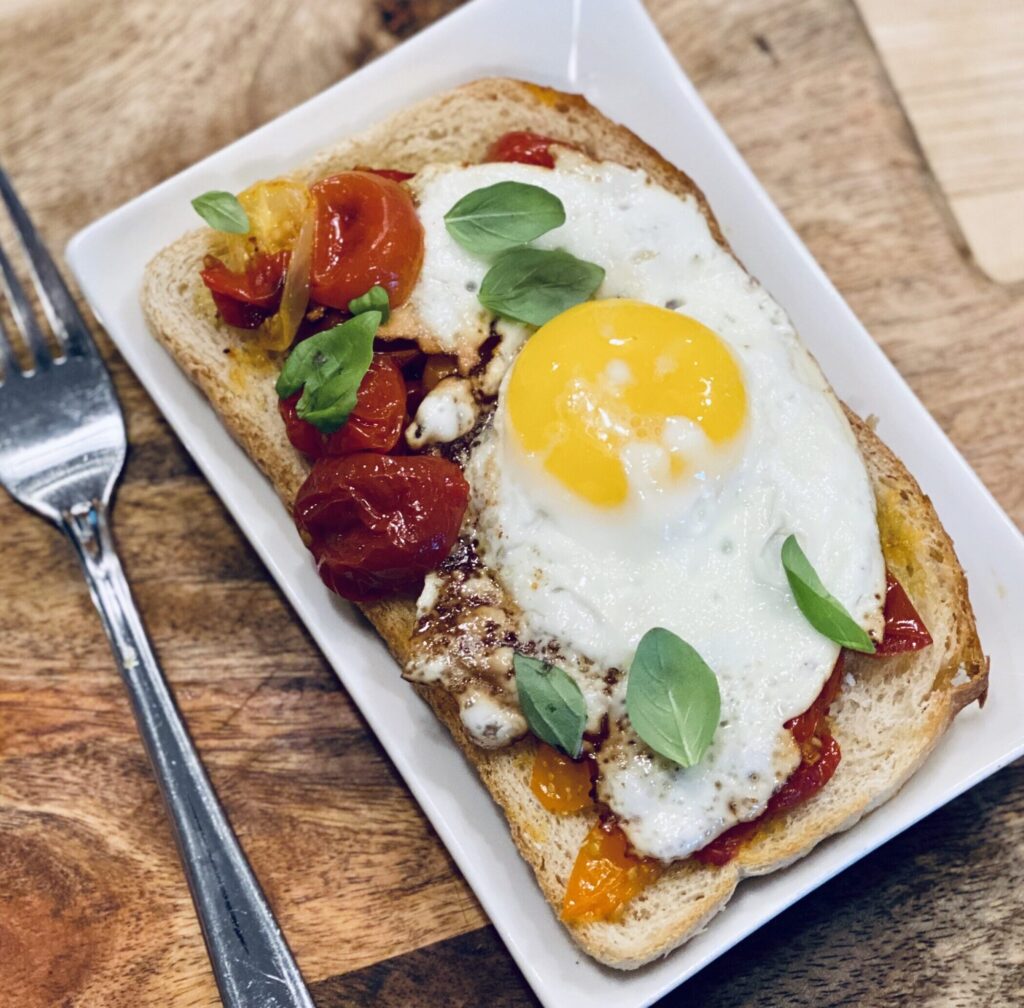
column 648, row 454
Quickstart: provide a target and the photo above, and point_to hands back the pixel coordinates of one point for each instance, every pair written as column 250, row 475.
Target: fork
column 62, row 448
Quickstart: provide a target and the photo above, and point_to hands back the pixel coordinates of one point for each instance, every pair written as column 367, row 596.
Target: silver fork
column 62, row 447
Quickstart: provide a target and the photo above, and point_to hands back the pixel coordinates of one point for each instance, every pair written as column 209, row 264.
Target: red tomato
column 302, row 434
column 813, row 773
column 816, row 770
column 245, row 299
column 375, row 424
column 726, row 845
column 367, row 232
column 378, row 418
column 524, row 147
column 904, row 628
column 804, row 726
column 376, row 523
column 818, row 764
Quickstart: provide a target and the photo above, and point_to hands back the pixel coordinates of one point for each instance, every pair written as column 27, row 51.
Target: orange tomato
column 606, row 876
column 282, row 215
column 560, row 784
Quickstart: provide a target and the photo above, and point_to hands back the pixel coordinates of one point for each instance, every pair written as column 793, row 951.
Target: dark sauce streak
column 458, row 451
column 462, row 560
column 486, row 352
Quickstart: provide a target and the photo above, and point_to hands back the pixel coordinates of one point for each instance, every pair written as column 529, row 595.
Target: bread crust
column 891, row 711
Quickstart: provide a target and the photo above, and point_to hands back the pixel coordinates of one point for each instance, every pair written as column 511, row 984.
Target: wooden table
column 958, row 72
column 102, row 100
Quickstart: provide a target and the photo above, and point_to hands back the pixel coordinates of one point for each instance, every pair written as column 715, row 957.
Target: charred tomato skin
column 376, row 524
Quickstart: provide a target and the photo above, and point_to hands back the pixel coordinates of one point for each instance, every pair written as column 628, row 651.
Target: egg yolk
column 608, row 374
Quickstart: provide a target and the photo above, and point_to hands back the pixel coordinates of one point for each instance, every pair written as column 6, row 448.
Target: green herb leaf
column 823, row 611
column 502, row 216
column 534, row 285
column 222, row 211
column 329, row 368
column 375, row 299
column 552, row 704
column 672, row 697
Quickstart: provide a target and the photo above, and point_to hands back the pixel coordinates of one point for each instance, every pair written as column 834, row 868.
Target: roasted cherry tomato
column 378, row 418
column 726, row 845
column 394, row 174
column 820, row 757
column 904, row 628
column 524, row 147
column 804, row 726
column 367, row 233
column 559, row 783
column 606, row 876
column 244, row 299
column 376, row 523
column 302, row 434
column 375, row 424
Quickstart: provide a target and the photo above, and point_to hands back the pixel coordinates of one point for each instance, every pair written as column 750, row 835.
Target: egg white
column 702, row 558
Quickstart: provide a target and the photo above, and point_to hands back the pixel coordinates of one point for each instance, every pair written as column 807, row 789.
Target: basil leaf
column 534, row 285
column 375, row 299
column 823, row 611
column 502, row 216
column 315, row 359
column 552, row 703
column 222, row 211
column 327, row 406
column 672, row 697
column 329, row 368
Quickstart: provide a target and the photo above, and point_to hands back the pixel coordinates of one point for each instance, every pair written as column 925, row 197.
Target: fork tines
column 68, row 326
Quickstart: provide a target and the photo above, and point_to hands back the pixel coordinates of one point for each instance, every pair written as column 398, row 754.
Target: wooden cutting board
column 101, row 101
column 958, row 70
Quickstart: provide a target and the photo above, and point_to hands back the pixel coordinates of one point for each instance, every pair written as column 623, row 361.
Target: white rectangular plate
column 612, row 53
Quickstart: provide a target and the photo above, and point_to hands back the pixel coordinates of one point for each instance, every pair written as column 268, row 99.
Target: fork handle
column 252, row 963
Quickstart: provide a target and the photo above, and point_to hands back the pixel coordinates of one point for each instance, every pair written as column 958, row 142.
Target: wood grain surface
column 958, row 69
column 102, row 100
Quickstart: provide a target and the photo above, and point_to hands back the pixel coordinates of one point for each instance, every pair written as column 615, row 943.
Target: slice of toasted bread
column 890, row 712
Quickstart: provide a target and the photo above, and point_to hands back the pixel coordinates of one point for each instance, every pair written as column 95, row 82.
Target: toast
column 890, row 712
